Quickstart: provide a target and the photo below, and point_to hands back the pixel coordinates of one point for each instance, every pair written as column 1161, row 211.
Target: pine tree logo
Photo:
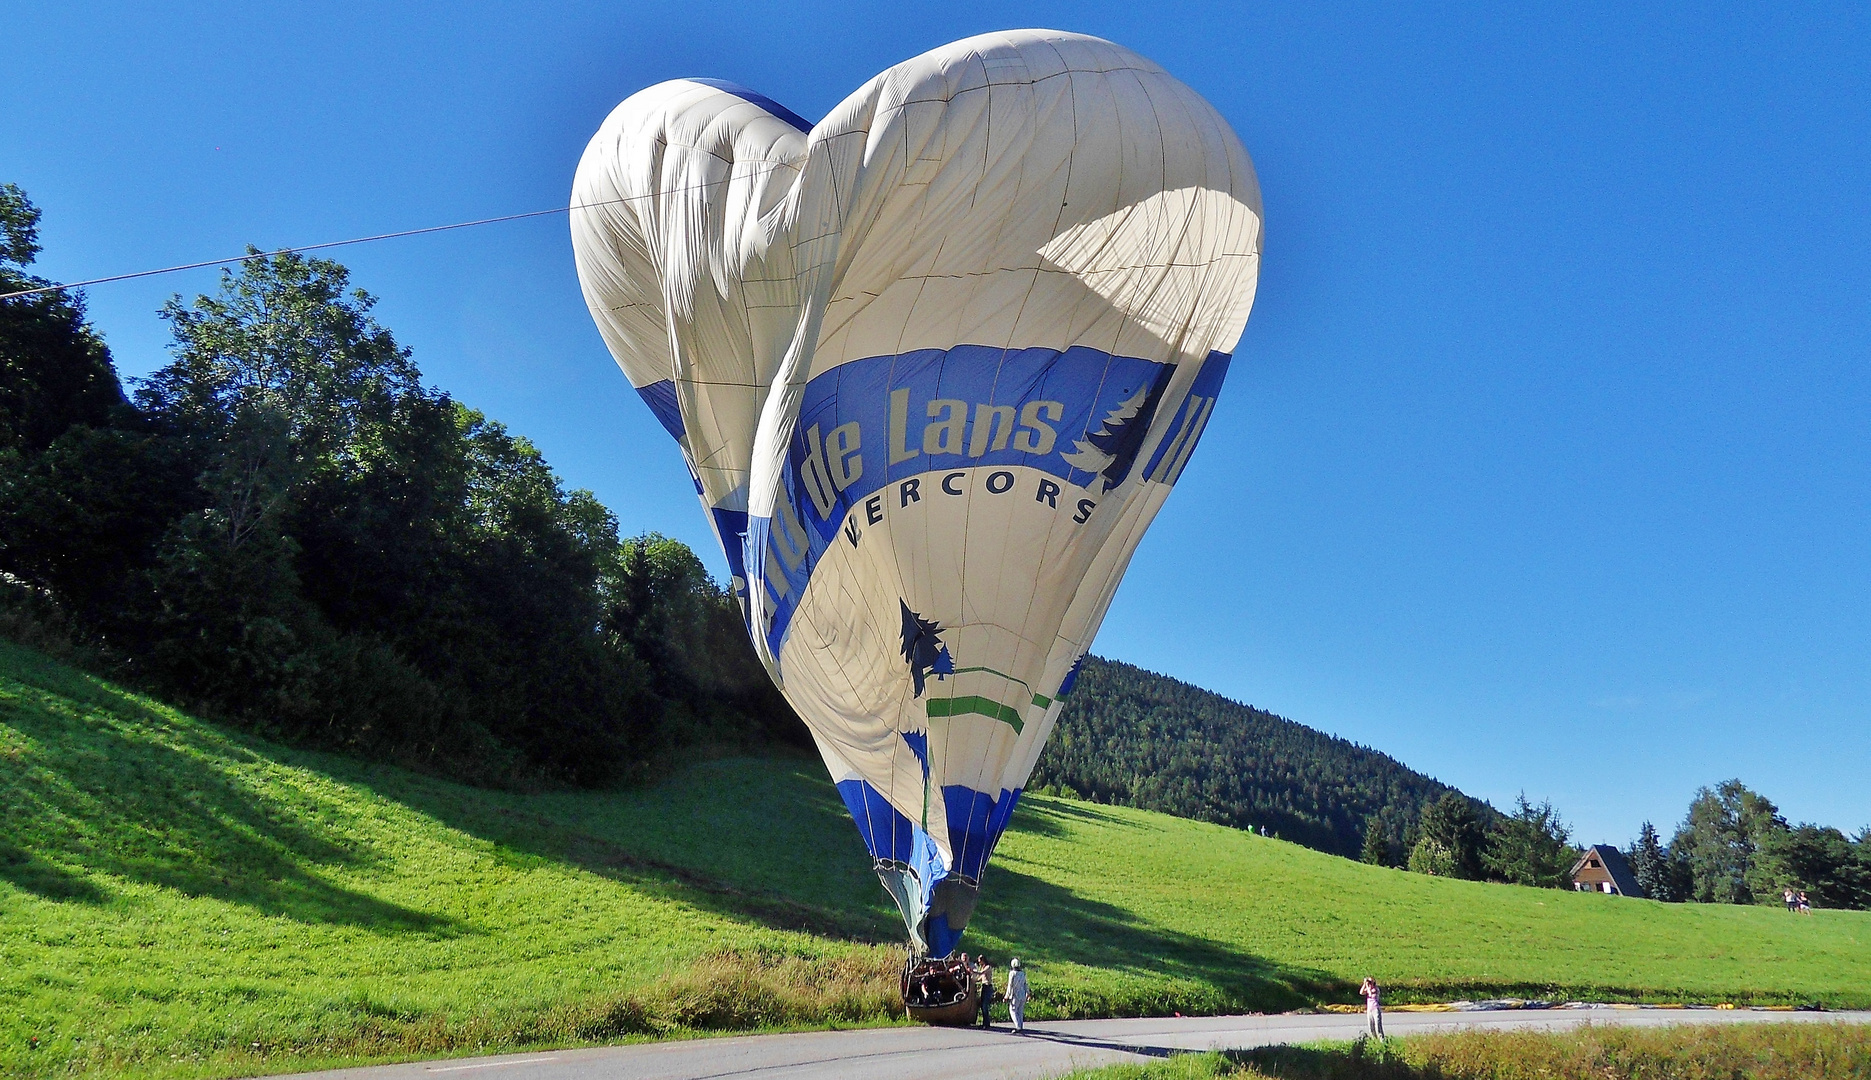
column 923, row 649
column 1112, row 449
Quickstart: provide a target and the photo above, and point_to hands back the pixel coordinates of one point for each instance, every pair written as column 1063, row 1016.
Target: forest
column 286, row 527
column 1131, row 737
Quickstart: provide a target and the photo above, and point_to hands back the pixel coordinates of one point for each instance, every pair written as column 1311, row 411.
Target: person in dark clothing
column 985, row 980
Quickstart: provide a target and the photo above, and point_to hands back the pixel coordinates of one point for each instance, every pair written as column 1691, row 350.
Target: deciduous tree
column 54, row 369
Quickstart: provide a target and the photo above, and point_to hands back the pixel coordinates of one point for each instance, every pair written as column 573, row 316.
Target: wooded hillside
column 1130, row 737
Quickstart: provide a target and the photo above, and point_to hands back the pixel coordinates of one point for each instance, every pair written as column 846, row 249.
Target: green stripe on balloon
column 971, row 704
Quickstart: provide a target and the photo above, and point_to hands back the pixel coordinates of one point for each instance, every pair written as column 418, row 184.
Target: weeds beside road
column 1728, row 1052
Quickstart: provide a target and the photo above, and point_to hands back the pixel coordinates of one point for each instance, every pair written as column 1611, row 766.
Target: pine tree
column 1650, row 865
column 1376, row 843
column 1453, row 830
column 1531, row 846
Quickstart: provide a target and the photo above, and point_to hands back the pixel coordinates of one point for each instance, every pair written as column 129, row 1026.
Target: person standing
column 1373, row 1006
column 986, row 983
column 1016, row 995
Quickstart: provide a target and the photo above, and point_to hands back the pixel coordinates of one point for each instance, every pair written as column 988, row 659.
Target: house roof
column 1615, row 866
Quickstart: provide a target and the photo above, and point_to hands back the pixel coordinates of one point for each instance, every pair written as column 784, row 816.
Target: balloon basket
column 942, row 992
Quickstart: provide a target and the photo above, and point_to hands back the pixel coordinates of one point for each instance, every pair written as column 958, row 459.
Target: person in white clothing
column 1016, row 996
column 1373, row 1006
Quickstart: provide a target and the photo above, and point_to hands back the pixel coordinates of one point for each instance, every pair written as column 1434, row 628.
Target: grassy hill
column 179, row 899
column 1131, row 737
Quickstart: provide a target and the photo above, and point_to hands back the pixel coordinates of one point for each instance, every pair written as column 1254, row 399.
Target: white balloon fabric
column 934, row 364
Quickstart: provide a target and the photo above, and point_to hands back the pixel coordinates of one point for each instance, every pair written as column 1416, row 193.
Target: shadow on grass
column 94, row 782
column 1053, row 923
column 1050, row 817
column 770, row 853
column 1173, row 971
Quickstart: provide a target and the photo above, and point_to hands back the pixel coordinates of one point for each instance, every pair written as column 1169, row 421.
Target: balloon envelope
column 934, row 364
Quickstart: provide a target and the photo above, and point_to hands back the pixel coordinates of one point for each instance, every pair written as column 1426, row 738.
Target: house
column 1602, row 869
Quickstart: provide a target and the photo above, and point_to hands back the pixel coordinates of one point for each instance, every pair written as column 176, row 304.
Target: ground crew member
column 986, row 983
column 1017, row 995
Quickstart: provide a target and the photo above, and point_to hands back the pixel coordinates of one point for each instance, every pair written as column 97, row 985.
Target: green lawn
column 184, row 900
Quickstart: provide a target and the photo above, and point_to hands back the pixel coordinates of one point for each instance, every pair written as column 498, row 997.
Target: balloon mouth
column 934, row 916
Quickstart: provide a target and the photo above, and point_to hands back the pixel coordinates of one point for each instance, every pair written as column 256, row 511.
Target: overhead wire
column 250, row 256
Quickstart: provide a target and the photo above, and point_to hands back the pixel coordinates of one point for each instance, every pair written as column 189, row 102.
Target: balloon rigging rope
column 358, row 240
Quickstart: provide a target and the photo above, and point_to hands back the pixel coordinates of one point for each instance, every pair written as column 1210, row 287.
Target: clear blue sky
column 1546, row 462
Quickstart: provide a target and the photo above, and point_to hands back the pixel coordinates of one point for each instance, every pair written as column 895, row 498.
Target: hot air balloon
column 934, row 364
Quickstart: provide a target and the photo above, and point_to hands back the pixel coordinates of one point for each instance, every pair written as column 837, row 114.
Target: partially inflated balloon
column 934, row 363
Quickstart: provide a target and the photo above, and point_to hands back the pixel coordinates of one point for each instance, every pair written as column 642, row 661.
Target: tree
column 19, row 227
column 54, row 369
column 1453, row 825
column 287, row 528
column 1658, row 873
column 84, row 520
column 1530, row 846
column 1376, row 843
column 1431, row 856
column 1818, row 860
column 81, row 502
column 1734, row 847
column 235, row 630
column 381, row 530
column 1718, row 840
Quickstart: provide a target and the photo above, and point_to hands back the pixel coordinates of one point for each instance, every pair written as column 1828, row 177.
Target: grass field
column 179, row 899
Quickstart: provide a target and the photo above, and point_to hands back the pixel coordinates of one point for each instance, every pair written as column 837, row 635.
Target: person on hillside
column 986, row 982
column 1805, row 905
column 1016, row 995
column 1792, row 901
column 1373, row 1006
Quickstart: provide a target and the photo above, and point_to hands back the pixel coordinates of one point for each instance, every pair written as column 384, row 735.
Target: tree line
column 286, row 527
column 1132, row 737
column 1460, row 837
column 1734, row 847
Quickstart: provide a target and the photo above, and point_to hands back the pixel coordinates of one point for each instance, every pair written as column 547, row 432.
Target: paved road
column 919, row 1053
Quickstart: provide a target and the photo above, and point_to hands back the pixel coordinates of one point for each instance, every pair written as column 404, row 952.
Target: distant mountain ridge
column 1132, row 737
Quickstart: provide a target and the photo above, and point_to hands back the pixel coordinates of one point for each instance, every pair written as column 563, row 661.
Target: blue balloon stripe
column 1185, row 428
column 759, row 99
column 1077, row 415
column 887, row 833
column 661, row 398
column 942, row 937
column 731, row 530
column 972, row 829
